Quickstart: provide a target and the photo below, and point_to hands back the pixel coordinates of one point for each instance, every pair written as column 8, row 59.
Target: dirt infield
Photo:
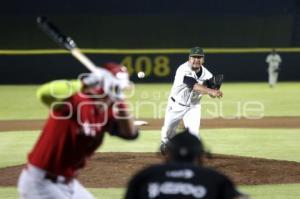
column 115, row 169
column 155, row 124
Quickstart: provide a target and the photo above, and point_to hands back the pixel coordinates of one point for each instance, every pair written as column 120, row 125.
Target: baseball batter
column 184, row 102
column 72, row 133
column 274, row 61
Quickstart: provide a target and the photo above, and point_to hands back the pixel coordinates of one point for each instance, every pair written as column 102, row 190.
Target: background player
column 182, row 176
column 186, row 93
column 274, row 61
column 73, row 131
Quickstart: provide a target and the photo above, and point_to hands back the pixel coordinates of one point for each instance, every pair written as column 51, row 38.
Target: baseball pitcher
column 192, row 81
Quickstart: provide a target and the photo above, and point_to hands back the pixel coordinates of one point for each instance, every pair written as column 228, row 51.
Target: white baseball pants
column 273, row 76
column 33, row 185
column 175, row 113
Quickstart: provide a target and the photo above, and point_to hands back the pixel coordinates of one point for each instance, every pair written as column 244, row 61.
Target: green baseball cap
column 196, row 51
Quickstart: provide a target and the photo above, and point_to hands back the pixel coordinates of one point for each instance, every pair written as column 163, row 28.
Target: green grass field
column 290, row 191
column 281, row 144
column 149, row 100
column 18, row 102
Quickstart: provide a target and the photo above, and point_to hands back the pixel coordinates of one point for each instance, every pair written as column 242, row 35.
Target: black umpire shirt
column 180, row 181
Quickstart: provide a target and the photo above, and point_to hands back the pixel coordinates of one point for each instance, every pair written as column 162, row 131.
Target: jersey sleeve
column 85, row 115
column 182, row 72
column 189, row 81
column 113, row 128
column 187, row 73
column 186, row 77
column 56, row 91
column 228, row 190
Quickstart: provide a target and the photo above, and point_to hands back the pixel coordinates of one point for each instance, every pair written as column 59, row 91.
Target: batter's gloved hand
column 90, row 80
column 215, row 82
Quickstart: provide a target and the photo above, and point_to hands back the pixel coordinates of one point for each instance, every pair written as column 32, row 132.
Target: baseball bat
column 66, row 42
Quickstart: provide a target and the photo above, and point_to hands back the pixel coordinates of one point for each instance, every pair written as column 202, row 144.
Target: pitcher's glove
column 215, row 82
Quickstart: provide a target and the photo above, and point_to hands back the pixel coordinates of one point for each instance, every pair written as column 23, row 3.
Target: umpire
column 182, row 176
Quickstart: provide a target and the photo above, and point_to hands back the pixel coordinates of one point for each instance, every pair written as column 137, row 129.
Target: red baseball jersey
column 71, row 135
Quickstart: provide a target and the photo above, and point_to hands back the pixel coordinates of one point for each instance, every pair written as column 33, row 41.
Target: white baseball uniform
column 184, row 103
column 274, row 61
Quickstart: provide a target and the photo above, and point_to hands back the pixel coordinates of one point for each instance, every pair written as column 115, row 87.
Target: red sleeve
column 113, row 128
column 85, row 114
column 117, row 106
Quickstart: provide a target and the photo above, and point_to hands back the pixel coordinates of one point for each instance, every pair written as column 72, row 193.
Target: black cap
column 185, row 146
column 196, row 51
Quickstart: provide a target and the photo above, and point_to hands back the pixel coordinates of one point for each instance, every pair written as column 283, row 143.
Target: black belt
column 56, row 179
column 172, row 98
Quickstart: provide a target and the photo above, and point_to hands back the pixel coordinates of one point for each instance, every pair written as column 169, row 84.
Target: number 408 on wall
column 158, row 66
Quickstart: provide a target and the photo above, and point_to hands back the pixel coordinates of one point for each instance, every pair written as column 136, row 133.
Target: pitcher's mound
column 115, row 169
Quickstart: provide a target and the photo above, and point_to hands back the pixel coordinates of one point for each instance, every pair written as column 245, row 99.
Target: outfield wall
column 153, row 31
column 37, row 66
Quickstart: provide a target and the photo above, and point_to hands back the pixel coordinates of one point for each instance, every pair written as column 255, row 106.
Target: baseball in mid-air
column 141, row 75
